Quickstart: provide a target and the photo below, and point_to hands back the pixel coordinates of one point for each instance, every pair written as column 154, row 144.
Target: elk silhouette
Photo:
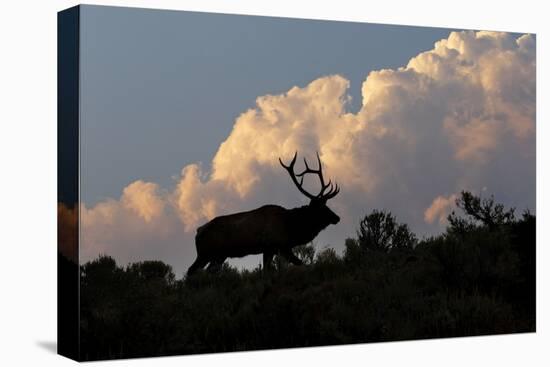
column 270, row 229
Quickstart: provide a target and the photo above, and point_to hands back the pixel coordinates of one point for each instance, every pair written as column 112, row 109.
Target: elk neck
column 305, row 224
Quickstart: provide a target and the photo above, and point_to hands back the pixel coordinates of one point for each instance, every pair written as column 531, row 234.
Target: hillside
column 476, row 278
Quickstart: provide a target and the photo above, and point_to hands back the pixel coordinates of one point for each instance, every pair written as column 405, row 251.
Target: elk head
column 318, row 203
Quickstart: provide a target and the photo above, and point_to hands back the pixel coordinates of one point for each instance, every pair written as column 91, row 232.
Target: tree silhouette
column 379, row 231
column 479, row 211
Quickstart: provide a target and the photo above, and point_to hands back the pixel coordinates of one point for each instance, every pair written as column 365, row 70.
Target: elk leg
column 215, row 265
column 198, row 264
column 287, row 254
column 268, row 260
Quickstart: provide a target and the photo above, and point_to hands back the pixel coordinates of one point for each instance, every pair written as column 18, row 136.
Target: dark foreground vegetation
column 477, row 278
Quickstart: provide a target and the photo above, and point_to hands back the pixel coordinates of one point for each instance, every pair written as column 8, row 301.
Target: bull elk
column 270, row 229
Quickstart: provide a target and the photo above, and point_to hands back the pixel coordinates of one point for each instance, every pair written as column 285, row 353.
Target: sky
column 183, row 117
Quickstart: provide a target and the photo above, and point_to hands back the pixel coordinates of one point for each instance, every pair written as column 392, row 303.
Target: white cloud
column 440, row 208
column 142, row 198
column 461, row 115
column 468, row 99
column 140, row 225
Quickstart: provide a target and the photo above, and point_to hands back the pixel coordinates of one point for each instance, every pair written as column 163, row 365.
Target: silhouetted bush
column 476, row 278
column 479, row 211
column 379, row 231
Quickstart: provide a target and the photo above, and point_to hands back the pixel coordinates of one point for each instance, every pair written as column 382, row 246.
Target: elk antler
column 322, row 195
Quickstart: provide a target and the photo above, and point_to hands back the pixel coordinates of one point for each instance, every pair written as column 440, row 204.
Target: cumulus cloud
column 440, row 208
column 462, row 103
column 142, row 198
column 140, row 225
column 197, row 200
column 461, row 115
